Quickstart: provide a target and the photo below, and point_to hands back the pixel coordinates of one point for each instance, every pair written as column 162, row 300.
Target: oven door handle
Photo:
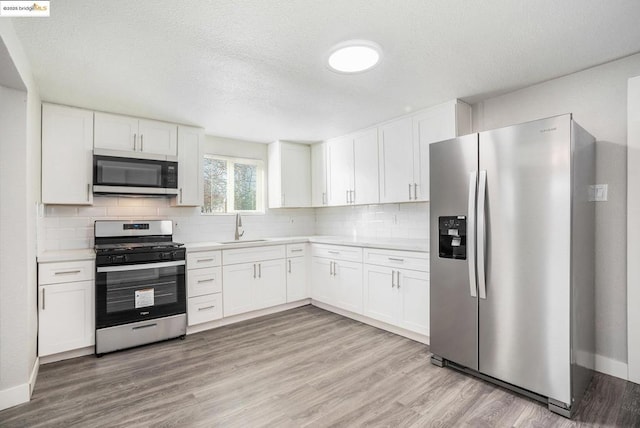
column 143, row 266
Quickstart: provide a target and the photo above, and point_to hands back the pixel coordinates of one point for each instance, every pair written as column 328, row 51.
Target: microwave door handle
column 471, row 232
column 482, row 235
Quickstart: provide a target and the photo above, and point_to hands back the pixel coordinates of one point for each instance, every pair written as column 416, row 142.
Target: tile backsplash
column 64, row 227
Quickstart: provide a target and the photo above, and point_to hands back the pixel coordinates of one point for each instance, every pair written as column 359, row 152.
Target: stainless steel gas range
column 140, row 284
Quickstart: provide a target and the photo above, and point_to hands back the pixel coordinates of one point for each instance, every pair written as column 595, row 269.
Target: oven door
column 139, row 292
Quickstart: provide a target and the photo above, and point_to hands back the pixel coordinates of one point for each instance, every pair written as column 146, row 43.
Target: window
column 232, row 185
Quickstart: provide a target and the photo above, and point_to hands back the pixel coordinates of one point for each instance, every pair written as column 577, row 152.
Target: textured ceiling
column 255, row 69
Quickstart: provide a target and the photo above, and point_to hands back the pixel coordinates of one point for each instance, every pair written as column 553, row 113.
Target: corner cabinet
column 190, row 164
column 133, row 136
column 289, row 175
column 404, row 149
column 66, row 301
column 67, row 155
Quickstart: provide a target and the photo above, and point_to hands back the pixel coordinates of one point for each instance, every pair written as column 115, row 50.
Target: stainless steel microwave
column 133, row 176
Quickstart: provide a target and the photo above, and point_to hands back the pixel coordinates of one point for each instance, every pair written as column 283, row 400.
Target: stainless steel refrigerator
column 512, row 258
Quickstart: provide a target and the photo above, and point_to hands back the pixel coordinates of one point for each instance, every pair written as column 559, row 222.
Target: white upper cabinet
column 289, row 175
column 365, row 159
column 67, row 149
column 190, row 164
column 396, row 161
column 318, row 175
column 135, row 136
column 404, row 149
column 340, row 171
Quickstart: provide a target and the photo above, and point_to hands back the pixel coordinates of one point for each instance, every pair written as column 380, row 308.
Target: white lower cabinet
column 394, row 295
column 254, row 285
column 337, row 282
column 66, row 314
column 204, row 286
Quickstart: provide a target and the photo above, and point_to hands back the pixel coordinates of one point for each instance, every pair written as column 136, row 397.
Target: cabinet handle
column 297, row 250
column 394, row 259
column 181, row 195
column 347, row 196
column 206, row 307
column 134, row 142
column 43, row 295
column 398, row 279
column 393, row 278
column 333, row 252
column 68, row 272
column 203, row 260
column 353, row 196
column 331, row 268
column 254, row 271
column 289, row 265
column 415, row 191
column 409, row 191
column 259, row 270
column 200, row 281
column 324, row 198
column 88, row 192
column 141, row 143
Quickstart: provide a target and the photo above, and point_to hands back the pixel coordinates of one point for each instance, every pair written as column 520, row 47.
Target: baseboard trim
column 13, row 396
column 34, row 375
column 375, row 323
column 611, row 367
column 81, row 352
column 247, row 316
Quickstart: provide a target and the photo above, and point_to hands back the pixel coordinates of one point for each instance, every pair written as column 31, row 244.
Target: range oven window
column 138, row 292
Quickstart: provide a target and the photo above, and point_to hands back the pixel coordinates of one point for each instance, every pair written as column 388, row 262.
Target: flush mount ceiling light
column 354, row 56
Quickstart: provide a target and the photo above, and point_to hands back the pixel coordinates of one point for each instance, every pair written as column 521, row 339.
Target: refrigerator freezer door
column 454, row 306
column 525, row 318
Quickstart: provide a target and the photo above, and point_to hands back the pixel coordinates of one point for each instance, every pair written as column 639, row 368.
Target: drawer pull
column 68, row 272
column 333, row 252
column 144, row 326
column 204, row 260
column 200, row 281
column 207, row 308
column 394, row 259
column 297, row 250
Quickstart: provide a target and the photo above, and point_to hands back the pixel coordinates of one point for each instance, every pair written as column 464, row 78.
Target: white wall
column 19, row 196
column 597, row 97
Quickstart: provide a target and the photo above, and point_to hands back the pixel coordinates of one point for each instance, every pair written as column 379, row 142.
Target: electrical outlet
column 598, row 192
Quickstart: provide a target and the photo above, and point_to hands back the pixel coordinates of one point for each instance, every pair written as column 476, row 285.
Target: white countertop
column 420, row 245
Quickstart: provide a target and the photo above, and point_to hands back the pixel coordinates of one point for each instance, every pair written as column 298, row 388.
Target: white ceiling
column 255, row 69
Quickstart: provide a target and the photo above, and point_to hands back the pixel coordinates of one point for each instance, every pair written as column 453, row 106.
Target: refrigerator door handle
column 471, row 232
column 481, row 242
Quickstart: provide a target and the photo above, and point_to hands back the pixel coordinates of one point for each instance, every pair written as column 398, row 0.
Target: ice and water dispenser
column 453, row 237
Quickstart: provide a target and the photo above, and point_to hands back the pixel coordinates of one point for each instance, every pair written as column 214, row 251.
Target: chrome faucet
column 238, row 227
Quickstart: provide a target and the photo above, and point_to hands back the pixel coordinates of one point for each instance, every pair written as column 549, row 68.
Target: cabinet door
column 413, row 287
column 396, row 161
column 67, row 155
column 365, row 158
column 158, row 138
column 271, row 287
column 297, row 279
column 295, row 175
column 318, row 175
column 430, row 126
column 349, row 286
column 381, row 299
column 322, row 281
column 237, row 288
column 190, row 174
column 66, row 318
column 340, row 170
column 116, row 132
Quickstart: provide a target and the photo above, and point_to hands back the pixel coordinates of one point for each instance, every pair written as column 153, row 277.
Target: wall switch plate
column 598, row 192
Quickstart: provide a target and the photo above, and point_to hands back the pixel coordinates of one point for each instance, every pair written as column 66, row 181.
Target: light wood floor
column 304, row 367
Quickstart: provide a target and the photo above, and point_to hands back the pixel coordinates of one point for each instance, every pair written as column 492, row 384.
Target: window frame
column 260, row 184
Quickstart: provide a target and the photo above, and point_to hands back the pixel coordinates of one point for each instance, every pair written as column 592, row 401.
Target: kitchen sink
column 243, row 242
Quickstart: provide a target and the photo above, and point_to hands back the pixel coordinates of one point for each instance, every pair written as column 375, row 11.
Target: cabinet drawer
column 204, row 308
column 296, row 250
column 337, row 252
column 412, row 260
column 203, row 259
column 57, row 273
column 253, row 254
column 204, row 281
